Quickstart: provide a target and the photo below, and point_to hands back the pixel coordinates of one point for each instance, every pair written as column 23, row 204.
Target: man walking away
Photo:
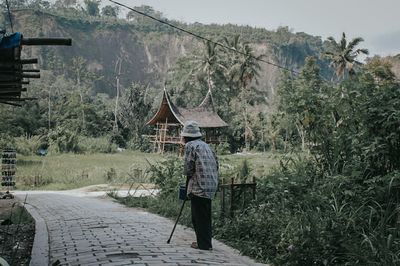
column 201, row 170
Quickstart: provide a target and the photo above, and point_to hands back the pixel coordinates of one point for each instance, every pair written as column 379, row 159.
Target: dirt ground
column 17, row 230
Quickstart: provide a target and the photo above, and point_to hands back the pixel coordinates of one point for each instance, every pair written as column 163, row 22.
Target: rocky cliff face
column 148, row 51
column 395, row 61
column 146, row 56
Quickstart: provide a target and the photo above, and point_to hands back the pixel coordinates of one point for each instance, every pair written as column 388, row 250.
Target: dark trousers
column 201, row 219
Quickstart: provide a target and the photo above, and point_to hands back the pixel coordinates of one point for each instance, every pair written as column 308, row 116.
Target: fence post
column 254, row 187
column 222, row 201
column 232, row 197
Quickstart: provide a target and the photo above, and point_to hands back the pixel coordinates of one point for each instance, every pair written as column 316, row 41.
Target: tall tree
column 39, row 4
column 134, row 112
column 16, row 3
column 209, row 62
column 110, row 11
column 92, row 7
column 343, row 55
column 202, row 69
column 82, row 78
column 65, row 3
column 244, row 70
column 133, row 16
column 118, row 65
column 299, row 99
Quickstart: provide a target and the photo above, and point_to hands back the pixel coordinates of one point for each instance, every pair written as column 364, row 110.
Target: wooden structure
column 13, row 74
column 236, row 192
column 169, row 121
column 13, row 78
column 8, row 168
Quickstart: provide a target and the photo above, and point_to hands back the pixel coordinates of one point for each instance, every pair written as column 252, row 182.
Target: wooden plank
column 16, row 99
column 17, row 75
column 31, row 70
column 30, row 75
column 10, row 87
column 13, row 83
column 19, row 70
column 19, row 62
column 46, row 41
column 9, row 103
column 5, row 91
column 232, row 197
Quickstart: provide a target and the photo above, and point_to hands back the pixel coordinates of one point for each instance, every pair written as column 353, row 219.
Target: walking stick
column 177, row 219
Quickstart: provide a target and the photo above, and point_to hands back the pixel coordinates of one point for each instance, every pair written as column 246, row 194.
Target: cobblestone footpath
column 97, row 231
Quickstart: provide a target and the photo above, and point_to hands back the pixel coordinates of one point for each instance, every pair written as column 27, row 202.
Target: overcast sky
column 377, row 21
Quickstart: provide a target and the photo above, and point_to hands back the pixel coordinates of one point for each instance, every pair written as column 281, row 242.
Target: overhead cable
column 9, row 16
column 204, row 38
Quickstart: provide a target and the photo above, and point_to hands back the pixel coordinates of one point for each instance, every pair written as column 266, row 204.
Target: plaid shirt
column 201, row 169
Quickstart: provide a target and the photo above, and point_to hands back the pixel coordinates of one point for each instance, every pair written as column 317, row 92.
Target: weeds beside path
column 17, row 230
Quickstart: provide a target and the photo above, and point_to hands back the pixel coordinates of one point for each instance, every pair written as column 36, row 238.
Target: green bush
column 28, row 145
column 18, row 215
column 6, row 141
column 222, row 148
column 63, row 140
column 96, row 145
column 118, row 140
column 244, row 170
column 167, row 174
column 111, row 175
column 142, row 144
column 303, row 219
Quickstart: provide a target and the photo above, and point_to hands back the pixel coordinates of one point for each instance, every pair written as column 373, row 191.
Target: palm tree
column 209, row 62
column 343, row 55
column 245, row 69
column 244, row 66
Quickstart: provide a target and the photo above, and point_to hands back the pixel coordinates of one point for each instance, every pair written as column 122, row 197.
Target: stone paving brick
column 96, row 231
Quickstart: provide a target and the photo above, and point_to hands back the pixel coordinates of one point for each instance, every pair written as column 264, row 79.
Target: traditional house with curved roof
column 169, row 121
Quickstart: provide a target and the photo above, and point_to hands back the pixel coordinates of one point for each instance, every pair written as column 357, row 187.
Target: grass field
column 67, row 171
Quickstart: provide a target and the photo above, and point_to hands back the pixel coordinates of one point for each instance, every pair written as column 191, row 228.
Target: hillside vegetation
column 76, row 94
column 78, row 85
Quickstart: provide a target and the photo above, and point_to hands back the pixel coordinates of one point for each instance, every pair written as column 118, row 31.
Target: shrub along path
column 96, row 231
column 17, row 230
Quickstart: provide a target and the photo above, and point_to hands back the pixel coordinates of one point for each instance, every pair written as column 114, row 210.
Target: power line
column 204, row 38
column 9, row 16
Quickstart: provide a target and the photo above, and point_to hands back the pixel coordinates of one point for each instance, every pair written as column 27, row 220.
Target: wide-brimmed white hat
column 191, row 129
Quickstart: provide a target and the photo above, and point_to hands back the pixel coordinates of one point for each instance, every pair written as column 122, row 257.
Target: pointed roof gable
column 166, row 111
column 205, row 114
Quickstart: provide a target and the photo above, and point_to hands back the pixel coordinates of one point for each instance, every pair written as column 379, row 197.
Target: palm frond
column 362, row 51
column 343, row 42
column 355, row 42
column 332, row 40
